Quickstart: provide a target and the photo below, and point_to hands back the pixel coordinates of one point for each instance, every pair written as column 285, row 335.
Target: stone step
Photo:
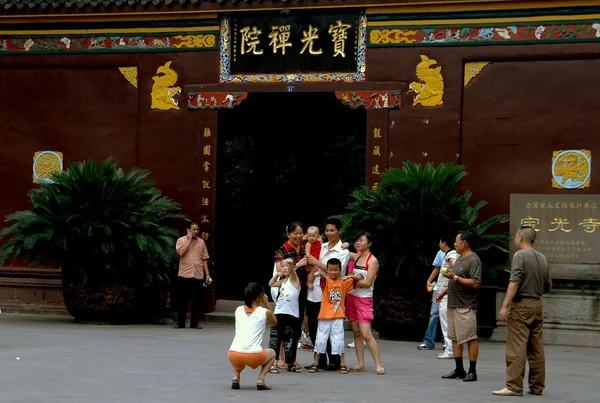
column 224, row 314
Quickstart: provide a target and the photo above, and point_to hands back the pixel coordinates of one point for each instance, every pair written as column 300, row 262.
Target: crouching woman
column 250, row 323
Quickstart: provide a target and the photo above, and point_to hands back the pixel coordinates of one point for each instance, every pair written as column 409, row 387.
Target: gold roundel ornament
column 46, row 163
column 571, row 169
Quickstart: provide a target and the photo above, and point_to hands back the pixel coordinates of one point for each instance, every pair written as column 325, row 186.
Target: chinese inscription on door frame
column 567, row 226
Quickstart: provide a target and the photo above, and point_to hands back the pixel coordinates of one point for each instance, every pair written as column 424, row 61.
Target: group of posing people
column 321, row 287
column 312, row 280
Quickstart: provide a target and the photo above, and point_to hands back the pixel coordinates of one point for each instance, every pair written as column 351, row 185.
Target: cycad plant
column 99, row 225
column 411, row 207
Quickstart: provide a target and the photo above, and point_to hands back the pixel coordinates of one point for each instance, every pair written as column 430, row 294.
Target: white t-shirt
column 364, row 271
column 249, row 330
column 442, row 281
column 316, row 294
column 287, row 302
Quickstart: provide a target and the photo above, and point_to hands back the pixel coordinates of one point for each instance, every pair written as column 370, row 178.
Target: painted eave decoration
column 46, row 163
column 370, row 99
column 472, row 70
column 215, row 100
column 44, row 5
column 484, row 31
column 110, row 40
column 571, row 169
column 130, row 74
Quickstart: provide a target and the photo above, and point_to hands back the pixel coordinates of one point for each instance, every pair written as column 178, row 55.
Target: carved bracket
column 370, row 99
column 215, row 100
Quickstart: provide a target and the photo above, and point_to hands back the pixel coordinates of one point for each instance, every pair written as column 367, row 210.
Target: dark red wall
column 82, row 106
column 504, row 126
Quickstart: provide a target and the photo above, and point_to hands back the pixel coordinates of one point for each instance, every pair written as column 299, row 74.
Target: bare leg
column 367, row 336
column 359, row 347
column 281, row 363
column 457, row 349
column 264, row 369
column 473, row 350
column 236, row 374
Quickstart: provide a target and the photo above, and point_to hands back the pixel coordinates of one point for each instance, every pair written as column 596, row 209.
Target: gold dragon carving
column 430, row 92
column 163, row 89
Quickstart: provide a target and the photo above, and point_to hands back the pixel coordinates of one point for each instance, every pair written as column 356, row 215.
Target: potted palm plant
column 411, row 207
column 109, row 232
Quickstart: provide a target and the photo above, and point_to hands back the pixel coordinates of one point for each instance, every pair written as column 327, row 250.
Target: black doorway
column 281, row 157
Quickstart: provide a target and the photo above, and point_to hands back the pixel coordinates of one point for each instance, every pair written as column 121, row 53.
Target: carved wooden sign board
column 301, row 42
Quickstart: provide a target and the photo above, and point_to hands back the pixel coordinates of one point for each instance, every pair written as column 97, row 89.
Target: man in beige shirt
column 193, row 271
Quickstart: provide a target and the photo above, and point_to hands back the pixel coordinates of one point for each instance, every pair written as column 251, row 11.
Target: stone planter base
column 572, row 317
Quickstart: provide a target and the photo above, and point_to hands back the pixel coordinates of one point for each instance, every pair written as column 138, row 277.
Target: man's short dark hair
column 334, row 262
column 528, row 234
column 334, row 221
column 192, row 223
column 467, row 236
column 252, row 291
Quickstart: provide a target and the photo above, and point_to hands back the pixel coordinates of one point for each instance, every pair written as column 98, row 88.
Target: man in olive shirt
column 464, row 279
column 529, row 279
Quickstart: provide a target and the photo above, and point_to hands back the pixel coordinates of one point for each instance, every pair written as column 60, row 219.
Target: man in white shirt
column 331, row 249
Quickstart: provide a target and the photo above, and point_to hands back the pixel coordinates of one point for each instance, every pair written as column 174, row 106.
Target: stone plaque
column 568, row 226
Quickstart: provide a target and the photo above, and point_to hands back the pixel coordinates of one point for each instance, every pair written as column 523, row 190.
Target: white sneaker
column 445, row 355
column 351, row 345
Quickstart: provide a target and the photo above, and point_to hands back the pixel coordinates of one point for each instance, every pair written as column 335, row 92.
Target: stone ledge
column 587, row 272
column 32, row 295
column 30, row 282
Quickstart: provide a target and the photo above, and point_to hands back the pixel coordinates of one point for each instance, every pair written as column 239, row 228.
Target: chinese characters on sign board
column 567, row 226
column 292, row 44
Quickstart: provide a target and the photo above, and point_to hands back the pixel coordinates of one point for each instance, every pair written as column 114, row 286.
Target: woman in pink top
column 359, row 303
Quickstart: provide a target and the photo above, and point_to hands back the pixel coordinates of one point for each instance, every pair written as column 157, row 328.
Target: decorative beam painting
column 215, row 100
column 119, row 41
column 370, row 99
column 480, row 32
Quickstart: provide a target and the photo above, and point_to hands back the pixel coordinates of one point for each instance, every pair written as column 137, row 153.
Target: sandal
column 235, row 383
column 356, row 369
column 281, row 365
column 380, row 371
column 263, row 386
column 273, row 370
column 313, row 369
column 295, row 368
column 343, row 369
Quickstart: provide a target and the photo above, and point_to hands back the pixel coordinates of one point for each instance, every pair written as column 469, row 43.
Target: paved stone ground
column 59, row 361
